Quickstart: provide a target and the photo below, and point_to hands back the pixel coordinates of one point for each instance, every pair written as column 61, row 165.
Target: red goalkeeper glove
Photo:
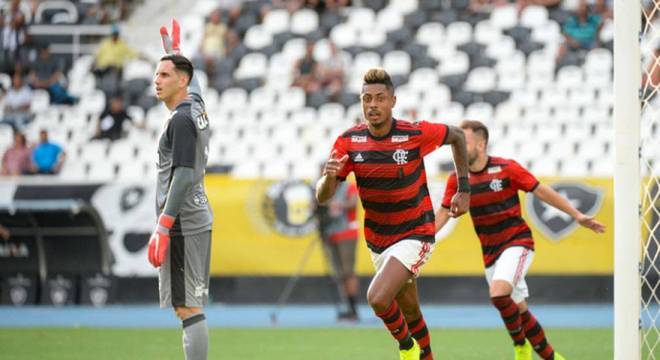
column 171, row 44
column 159, row 243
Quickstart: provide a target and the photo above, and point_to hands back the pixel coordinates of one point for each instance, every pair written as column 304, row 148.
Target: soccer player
column 506, row 240
column 386, row 155
column 181, row 243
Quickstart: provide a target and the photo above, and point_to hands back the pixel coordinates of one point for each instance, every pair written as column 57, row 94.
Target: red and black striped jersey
column 391, row 179
column 495, row 207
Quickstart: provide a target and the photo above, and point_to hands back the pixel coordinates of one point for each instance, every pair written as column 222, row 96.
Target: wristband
column 463, row 184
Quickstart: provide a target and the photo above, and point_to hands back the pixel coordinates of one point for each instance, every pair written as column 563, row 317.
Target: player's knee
column 500, row 288
column 378, row 301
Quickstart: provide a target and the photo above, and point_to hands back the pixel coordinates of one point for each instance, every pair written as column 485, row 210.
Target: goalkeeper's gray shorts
column 184, row 276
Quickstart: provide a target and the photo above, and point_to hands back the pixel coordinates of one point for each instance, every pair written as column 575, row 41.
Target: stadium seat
column 459, row 33
column 258, row 37
column 458, row 63
column 581, row 96
column 534, row 16
column 262, row 98
column 481, row 79
column 509, row 112
column 67, row 9
column 504, row 17
column 486, row 33
column 442, row 51
column 344, row 35
column 40, row 101
column 361, row 18
column 590, row 148
column 569, row 77
column 438, row 94
column 575, row 167
column 389, row 19
column 502, row 49
column 544, row 166
column 93, row 103
column 304, row 21
column 372, row 38
column 397, row 63
column 548, row 33
column 253, row 65
column 603, row 166
column 234, row 98
column 569, row 114
column 276, row 21
column 403, row 6
column 451, row 113
column 430, row 33
column 481, row 111
column 331, row 113
column 295, row 99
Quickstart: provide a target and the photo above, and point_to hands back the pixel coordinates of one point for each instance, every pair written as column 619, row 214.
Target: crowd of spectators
column 44, row 157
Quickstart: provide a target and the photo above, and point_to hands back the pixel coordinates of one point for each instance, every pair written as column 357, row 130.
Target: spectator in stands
column 110, row 58
column 16, row 160
column 213, row 42
column 111, row 121
column 17, row 104
column 581, row 31
column 13, row 37
column 331, row 73
column 46, row 74
column 550, row 4
column 603, row 8
column 47, row 157
column 306, row 71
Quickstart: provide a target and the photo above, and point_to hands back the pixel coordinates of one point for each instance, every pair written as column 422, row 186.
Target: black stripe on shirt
column 378, row 183
column 400, row 228
column 495, row 207
column 499, row 227
column 404, row 204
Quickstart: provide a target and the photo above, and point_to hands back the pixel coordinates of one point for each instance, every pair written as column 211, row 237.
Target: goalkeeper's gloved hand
column 159, row 242
column 171, row 44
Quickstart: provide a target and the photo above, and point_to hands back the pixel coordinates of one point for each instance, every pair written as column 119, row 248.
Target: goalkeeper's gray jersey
column 184, row 142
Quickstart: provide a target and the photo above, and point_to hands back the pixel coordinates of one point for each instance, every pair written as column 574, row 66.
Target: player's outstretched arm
column 551, row 197
column 172, row 45
column 327, row 184
column 460, row 203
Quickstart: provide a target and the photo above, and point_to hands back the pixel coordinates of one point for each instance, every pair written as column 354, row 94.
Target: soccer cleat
column 524, row 352
column 558, row 356
column 411, row 354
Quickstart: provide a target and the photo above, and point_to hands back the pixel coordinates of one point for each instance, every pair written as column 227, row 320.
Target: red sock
column 536, row 336
column 420, row 332
column 509, row 312
column 396, row 324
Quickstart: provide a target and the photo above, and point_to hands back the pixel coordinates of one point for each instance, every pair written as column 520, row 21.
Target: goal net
column 650, row 178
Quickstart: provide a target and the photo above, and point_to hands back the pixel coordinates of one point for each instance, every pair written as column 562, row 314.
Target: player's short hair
column 379, row 76
column 476, row 127
column 181, row 63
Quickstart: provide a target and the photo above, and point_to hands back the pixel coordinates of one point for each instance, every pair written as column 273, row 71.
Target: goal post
column 627, row 180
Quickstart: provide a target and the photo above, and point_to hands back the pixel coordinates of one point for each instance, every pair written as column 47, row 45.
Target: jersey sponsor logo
column 400, row 156
column 358, row 158
column 494, row 169
column 288, row 207
column 202, row 121
column 553, row 222
column 496, row 185
column 399, row 138
column 358, row 139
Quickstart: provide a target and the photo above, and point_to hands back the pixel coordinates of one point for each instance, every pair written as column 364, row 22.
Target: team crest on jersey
column 399, row 138
column 358, row 139
column 200, row 199
column 358, row 158
column 202, row 121
column 496, row 185
column 400, row 156
column 494, row 169
column 553, row 222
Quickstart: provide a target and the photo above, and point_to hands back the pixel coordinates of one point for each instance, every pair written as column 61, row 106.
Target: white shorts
column 413, row 254
column 512, row 266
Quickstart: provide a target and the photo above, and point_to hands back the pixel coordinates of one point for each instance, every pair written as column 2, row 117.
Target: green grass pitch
column 290, row 344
